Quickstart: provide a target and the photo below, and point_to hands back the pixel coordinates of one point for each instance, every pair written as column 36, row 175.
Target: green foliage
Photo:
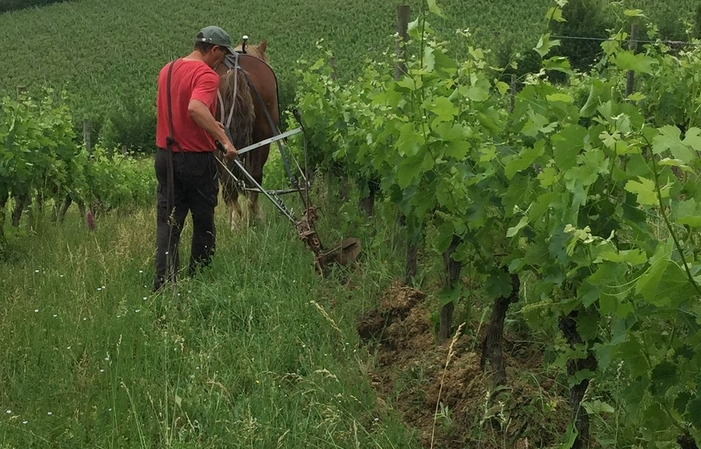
column 592, row 195
column 696, row 32
column 39, row 148
column 516, row 58
column 671, row 24
column 40, row 157
column 131, row 124
column 668, row 90
column 118, row 181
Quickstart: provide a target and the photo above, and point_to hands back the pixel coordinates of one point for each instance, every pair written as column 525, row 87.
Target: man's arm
column 201, row 115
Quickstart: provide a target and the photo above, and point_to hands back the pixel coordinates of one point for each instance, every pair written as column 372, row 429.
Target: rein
column 236, row 68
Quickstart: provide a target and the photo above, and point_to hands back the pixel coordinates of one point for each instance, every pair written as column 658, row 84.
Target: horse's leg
column 231, row 199
column 254, row 165
column 235, row 212
column 255, row 214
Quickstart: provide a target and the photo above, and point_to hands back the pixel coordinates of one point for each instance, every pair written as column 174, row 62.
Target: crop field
column 107, row 54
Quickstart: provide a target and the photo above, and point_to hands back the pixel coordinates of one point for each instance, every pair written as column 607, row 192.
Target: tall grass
column 257, row 351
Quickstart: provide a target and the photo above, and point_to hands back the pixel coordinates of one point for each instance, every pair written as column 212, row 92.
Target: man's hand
column 231, row 152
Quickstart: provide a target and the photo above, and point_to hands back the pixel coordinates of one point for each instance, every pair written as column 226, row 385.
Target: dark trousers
column 195, row 190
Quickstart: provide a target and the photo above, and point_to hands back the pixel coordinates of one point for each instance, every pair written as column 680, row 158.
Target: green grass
column 257, row 351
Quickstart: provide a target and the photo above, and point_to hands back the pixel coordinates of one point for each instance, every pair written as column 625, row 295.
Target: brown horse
column 249, row 122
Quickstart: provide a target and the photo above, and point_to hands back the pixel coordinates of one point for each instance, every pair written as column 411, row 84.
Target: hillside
column 107, row 54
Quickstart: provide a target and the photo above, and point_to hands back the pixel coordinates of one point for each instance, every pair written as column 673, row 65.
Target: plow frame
column 343, row 254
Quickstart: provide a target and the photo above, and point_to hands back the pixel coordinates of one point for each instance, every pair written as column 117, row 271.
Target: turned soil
column 457, row 407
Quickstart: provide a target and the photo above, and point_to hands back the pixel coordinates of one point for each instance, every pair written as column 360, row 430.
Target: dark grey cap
column 217, row 36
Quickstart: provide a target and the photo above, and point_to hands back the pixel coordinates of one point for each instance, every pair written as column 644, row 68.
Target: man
column 185, row 164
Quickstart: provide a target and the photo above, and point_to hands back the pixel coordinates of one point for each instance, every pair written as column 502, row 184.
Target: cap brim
column 231, row 50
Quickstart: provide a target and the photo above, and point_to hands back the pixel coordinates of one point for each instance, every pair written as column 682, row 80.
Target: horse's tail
column 236, row 94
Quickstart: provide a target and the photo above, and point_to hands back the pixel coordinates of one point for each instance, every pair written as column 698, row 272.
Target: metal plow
column 344, row 253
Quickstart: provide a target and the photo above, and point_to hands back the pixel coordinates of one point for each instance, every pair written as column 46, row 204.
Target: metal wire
column 604, row 39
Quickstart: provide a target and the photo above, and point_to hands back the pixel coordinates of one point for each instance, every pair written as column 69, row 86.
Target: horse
column 249, row 95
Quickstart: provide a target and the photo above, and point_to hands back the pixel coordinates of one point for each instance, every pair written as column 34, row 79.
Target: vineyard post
column 336, row 167
column 632, row 45
column 586, row 364
column 3, row 203
column 493, row 342
column 334, row 72
column 512, row 103
column 367, row 204
column 412, row 259
column 87, row 135
column 452, row 270
column 403, row 13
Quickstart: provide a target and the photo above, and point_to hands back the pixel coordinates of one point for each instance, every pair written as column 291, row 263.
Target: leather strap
column 170, row 141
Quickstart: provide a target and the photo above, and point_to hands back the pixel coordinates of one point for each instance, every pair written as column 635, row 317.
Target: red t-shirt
column 190, row 80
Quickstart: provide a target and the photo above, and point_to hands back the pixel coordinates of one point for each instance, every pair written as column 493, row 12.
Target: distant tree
column 516, row 58
column 13, row 5
column 585, row 19
column 669, row 23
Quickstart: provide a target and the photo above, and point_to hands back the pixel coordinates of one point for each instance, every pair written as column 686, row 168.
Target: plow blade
column 344, row 254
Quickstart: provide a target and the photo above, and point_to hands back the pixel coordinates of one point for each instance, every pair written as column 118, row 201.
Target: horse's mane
column 237, row 93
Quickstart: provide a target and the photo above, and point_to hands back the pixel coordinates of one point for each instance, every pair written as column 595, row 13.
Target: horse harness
column 232, row 62
column 305, row 226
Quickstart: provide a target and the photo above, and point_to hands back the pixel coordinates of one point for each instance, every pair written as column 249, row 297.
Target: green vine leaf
column 434, row 9
column 628, row 60
column 669, row 139
column 545, row 44
column 645, row 189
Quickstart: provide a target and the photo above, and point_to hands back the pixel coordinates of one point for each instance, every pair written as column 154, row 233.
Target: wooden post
column 403, row 13
column 413, row 242
column 332, row 64
column 568, row 326
column 512, row 105
column 367, row 204
column 632, row 45
column 87, row 135
column 493, row 342
column 451, row 280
